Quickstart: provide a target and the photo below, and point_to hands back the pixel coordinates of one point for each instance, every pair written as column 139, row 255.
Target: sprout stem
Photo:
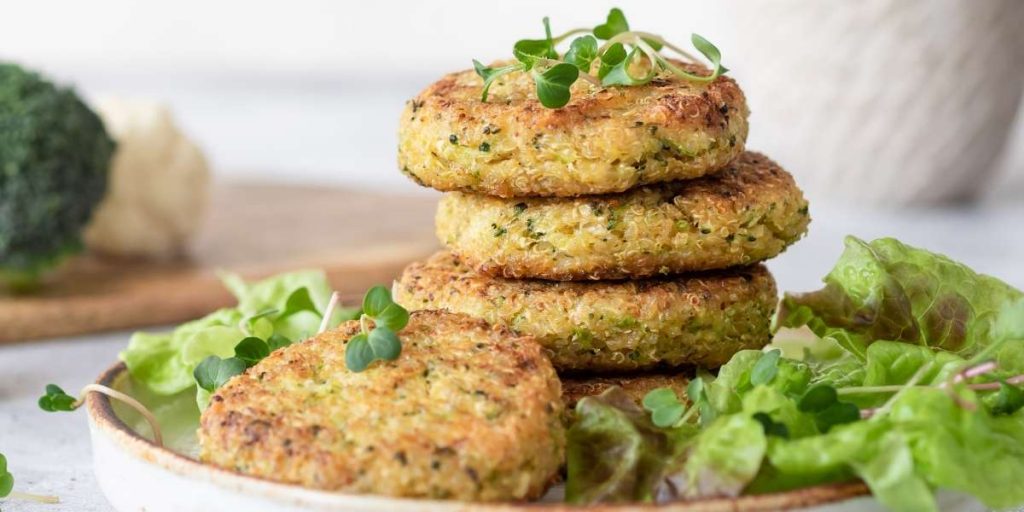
column 918, row 375
column 624, row 38
column 969, row 372
column 329, row 312
column 243, row 325
column 654, row 37
column 651, row 53
column 567, row 35
column 867, row 390
column 591, row 79
column 127, row 400
column 686, row 417
column 38, row 498
column 586, row 76
column 676, row 71
column 658, row 59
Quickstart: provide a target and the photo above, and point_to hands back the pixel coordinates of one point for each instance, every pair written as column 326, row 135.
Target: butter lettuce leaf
column 164, row 362
column 615, row 454
column 158, row 360
column 1008, row 332
column 772, row 421
column 273, row 294
column 781, row 409
column 721, row 461
column 891, row 474
column 890, row 363
column 885, row 290
column 964, row 450
column 871, row 450
column 733, row 381
column 926, row 441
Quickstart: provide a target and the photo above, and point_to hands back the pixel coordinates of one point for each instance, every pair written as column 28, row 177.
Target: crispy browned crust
column 748, row 212
column 636, row 385
column 611, row 326
column 605, row 140
column 467, row 412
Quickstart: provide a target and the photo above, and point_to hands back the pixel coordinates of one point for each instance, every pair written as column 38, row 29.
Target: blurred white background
column 310, row 90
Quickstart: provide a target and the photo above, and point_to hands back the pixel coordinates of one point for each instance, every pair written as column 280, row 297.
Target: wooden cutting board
column 358, row 238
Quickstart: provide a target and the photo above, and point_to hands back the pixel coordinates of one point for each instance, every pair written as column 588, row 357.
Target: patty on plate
column 748, row 212
column 604, row 140
column 694, row 319
column 467, row 412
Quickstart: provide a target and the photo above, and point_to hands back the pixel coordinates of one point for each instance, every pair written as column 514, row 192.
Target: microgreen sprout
column 697, row 392
column 1009, row 399
column 770, row 426
column 622, row 53
column 665, row 408
column 822, row 401
column 7, row 487
column 213, row 371
column 379, row 341
column 668, row 411
column 56, row 400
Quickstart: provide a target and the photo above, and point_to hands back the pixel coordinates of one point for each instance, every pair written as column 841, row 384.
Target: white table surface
column 49, row 453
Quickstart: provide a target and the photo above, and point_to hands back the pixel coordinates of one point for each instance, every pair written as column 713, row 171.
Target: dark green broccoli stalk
column 54, row 159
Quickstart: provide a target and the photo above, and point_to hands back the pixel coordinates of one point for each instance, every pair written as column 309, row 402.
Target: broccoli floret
column 54, row 158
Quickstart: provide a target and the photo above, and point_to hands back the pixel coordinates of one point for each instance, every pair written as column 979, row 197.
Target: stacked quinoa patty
column 623, row 231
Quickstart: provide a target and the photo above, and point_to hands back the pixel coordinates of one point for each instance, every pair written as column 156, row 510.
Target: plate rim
column 101, row 415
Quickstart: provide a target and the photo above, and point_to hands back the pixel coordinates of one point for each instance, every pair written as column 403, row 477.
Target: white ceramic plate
column 137, row 475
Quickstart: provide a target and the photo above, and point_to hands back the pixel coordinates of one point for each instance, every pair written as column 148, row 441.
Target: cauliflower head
column 158, row 186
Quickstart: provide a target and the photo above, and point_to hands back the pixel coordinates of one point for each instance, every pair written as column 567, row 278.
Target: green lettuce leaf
column 273, row 294
column 829, row 362
column 615, row 454
column 157, row 360
column 733, row 380
column 926, row 441
column 826, row 453
column 891, row 363
column 722, row 460
column 892, row 477
column 839, row 371
column 1008, row 332
column 970, row 451
column 163, row 362
column 885, row 290
column 770, row 480
column 888, row 314
column 781, row 409
column 868, row 449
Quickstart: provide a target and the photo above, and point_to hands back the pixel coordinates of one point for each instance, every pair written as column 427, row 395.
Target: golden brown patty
column 750, row 211
column 636, row 386
column 699, row 319
column 605, row 140
column 467, row 412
